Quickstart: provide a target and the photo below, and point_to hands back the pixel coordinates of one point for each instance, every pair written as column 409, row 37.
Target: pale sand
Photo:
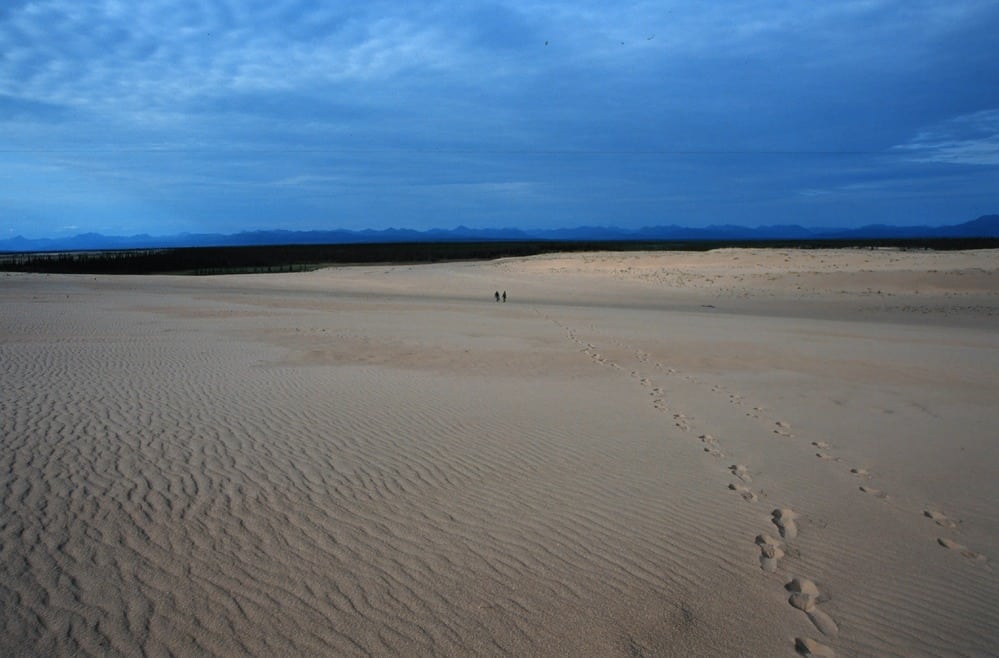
column 382, row 460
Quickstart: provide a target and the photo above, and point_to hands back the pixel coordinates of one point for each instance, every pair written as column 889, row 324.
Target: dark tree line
column 293, row 258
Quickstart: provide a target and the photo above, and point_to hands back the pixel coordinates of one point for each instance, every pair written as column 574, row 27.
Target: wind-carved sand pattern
column 179, row 492
column 939, row 518
column 804, row 594
column 680, row 420
column 371, row 461
column 868, row 475
column 783, row 428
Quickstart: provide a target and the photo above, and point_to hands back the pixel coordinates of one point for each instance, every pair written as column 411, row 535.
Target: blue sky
column 194, row 116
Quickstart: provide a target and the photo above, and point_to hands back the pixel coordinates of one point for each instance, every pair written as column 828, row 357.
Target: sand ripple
column 193, row 468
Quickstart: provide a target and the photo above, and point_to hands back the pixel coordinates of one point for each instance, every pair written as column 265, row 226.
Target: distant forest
column 295, row 258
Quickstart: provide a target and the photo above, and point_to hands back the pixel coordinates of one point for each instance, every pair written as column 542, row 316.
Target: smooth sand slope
column 733, row 453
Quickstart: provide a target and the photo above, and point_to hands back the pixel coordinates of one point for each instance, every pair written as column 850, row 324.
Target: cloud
column 14, row 108
column 510, row 189
column 970, row 139
column 155, row 63
column 218, row 109
column 120, row 57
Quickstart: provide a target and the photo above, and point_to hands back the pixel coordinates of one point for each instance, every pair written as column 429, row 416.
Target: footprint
column 741, row 472
column 877, row 493
column 746, row 494
column 822, row 445
column 860, row 471
column 804, row 593
column 961, row 548
column 939, row 519
column 822, row 455
column 809, row 647
column 784, row 520
column 823, row 622
column 710, row 445
column 805, row 597
column 770, row 552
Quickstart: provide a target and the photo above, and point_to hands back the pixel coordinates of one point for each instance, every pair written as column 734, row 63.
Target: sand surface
column 731, row 453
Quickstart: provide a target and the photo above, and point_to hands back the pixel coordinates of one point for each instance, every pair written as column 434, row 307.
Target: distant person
column 504, row 297
column 497, row 295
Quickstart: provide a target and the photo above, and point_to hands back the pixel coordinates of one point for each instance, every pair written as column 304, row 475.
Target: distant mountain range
column 986, row 226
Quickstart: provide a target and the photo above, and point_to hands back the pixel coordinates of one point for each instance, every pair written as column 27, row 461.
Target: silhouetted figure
column 504, row 297
column 497, row 295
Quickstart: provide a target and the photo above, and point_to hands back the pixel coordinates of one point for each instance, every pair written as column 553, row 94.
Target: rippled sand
column 731, row 453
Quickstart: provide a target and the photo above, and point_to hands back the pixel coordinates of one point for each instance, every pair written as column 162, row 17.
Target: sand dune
column 384, row 461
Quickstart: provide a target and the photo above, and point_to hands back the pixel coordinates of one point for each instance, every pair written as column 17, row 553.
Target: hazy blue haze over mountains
column 983, row 227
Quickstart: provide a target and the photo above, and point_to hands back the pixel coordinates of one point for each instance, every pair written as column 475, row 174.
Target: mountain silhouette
column 986, row 226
